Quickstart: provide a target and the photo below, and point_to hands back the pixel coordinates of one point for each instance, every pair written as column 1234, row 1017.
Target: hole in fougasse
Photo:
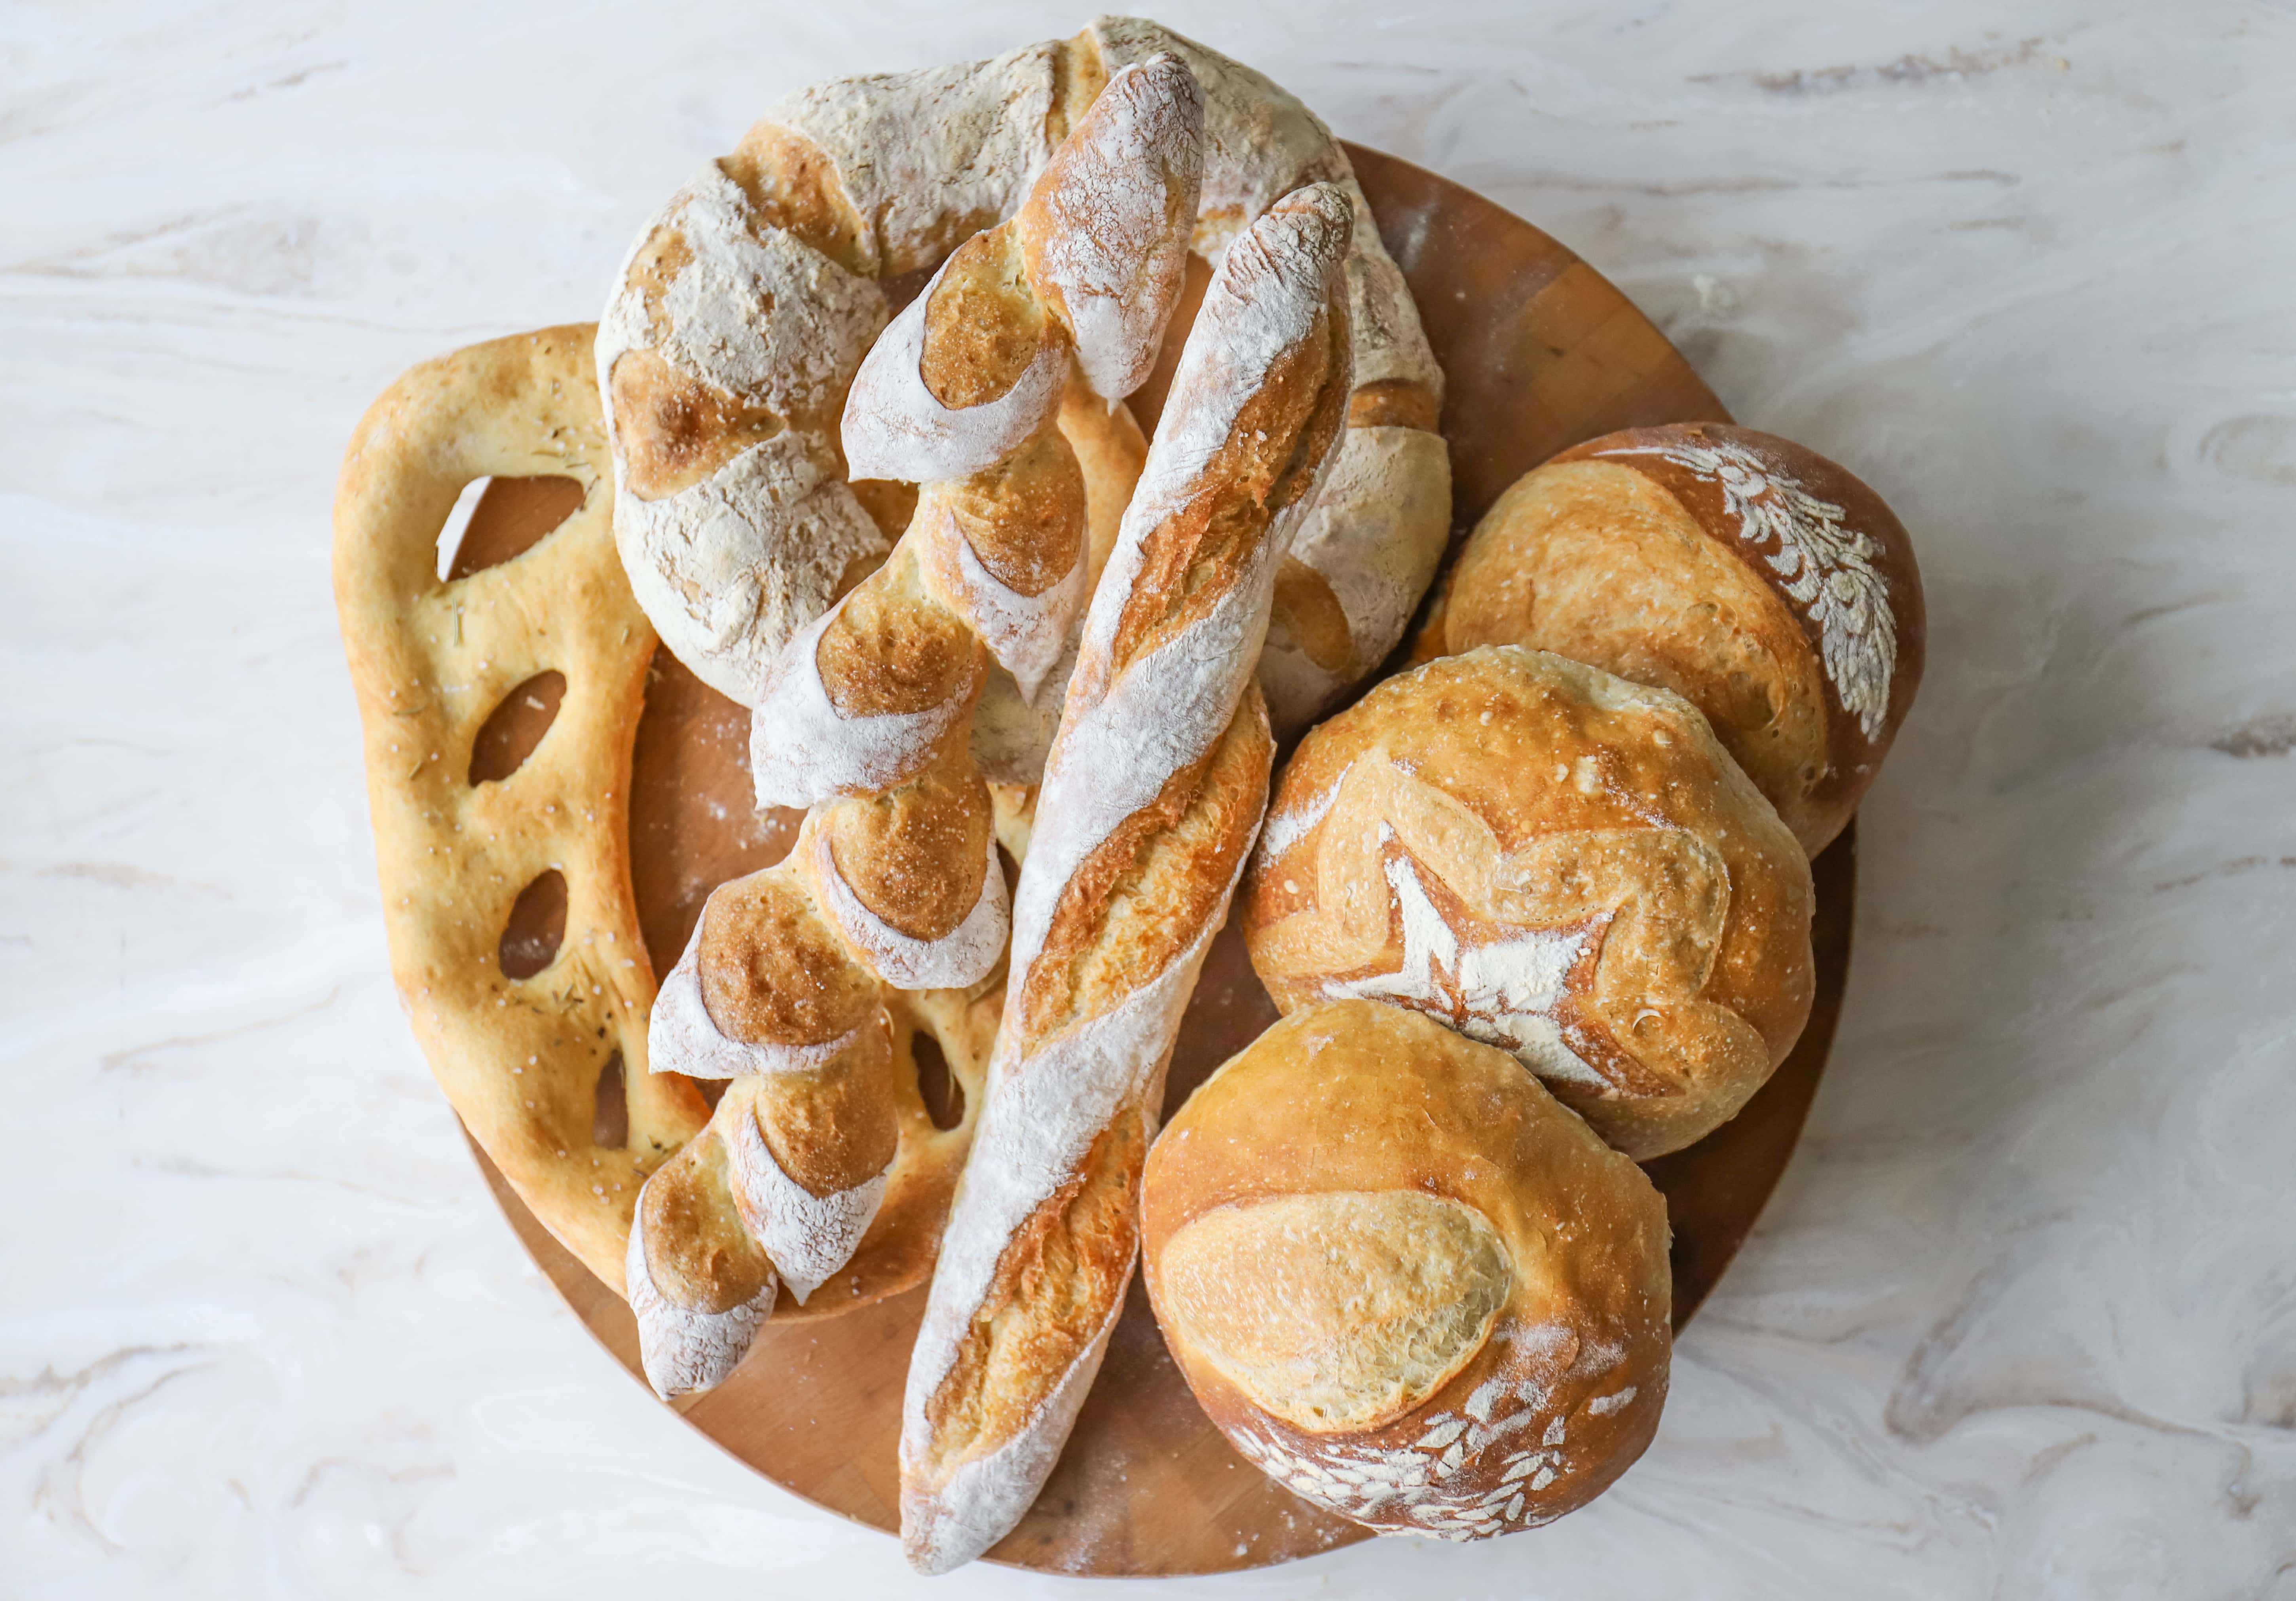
column 610, row 1123
column 495, row 519
column 536, row 927
column 944, row 1096
column 513, row 729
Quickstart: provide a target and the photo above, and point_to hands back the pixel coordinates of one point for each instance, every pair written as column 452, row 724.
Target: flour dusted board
column 1541, row 353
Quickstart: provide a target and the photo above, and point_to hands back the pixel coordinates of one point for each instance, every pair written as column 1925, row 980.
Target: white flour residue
column 1603, row 1406
column 1115, row 753
column 803, row 751
column 1013, row 735
column 808, row 1236
column 1286, row 827
column 726, row 569
column 924, row 154
column 759, row 313
column 894, row 428
column 1501, row 991
column 1389, row 342
column 1826, row 565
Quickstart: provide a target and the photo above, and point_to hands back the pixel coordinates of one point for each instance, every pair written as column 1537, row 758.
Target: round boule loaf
column 1403, row 1280
column 1552, row 860
column 1763, row 583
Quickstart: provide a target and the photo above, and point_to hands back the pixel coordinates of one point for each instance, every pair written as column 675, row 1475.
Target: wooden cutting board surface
column 1540, row 353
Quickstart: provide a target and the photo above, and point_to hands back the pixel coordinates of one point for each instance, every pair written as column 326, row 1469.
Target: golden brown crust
column 1025, row 516
column 519, row 1058
column 1307, row 617
column 1146, row 893
column 1394, row 402
column 1049, row 1300
column 894, row 648
column 1079, row 76
column 905, row 852
column 896, row 1254
column 1378, row 1299
column 792, row 183
column 837, row 1127
column 791, row 978
column 1761, row 582
column 696, row 1247
column 682, row 430
column 984, row 324
column 773, row 971
column 1555, row 860
column 1354, row 1109
column 1283, row 432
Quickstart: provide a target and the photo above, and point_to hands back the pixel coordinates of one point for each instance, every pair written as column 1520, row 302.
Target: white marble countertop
column 2022, row 1319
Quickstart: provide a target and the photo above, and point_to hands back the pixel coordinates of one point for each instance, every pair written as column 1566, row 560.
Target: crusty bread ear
column 1091, row 265
column 1105, row 235
column 1150, row 797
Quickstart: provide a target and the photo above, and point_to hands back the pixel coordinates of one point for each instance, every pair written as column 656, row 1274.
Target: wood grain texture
column 1541, row 353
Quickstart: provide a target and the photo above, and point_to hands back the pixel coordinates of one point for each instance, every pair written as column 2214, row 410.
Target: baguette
column 1152, row 796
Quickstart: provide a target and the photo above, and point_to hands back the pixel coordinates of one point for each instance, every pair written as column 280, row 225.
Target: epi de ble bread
column 1151, row 793
column 1761, row 582
column 1405, row 1281
column 791, row 986
column 749, row 301
column 1553, row 861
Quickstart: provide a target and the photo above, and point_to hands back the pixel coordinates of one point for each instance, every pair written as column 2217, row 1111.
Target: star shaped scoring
column 1504, row 990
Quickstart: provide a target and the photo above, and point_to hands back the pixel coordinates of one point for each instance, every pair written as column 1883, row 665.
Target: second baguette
column 1152, row 797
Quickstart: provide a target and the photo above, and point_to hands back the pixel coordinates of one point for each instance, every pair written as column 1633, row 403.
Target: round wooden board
column 1540, row 352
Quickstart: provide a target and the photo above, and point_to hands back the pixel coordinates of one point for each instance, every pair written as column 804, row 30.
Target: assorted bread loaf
column 894, row 882
column 1554, row 861
column 1534, row 909
column 1402, row 1280
column 520, row 1056
column 1760, row 581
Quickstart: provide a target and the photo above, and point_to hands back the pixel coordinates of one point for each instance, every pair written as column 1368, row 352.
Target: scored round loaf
column 1552, row 860
column 1404, row 1281
column 1762, row 583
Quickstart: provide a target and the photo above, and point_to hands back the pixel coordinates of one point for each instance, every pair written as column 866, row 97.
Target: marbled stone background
column 2022, row 1320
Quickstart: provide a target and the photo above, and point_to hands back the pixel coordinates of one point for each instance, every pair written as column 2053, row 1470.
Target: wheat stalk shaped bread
column 893, row 881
